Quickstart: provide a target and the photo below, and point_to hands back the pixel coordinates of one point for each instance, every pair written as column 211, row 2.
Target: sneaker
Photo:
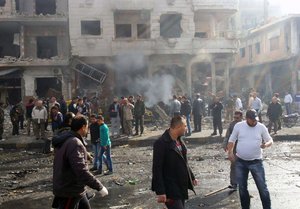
column 108, row 173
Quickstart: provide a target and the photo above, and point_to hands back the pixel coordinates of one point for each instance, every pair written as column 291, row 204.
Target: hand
column 225, row 149
column 263, row 146
column 195, row 182
column 103, row 192
column 162, row 198
column 231, row 156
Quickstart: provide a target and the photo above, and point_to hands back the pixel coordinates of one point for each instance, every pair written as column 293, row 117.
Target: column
column 189, row 79
column 294, row 37
column 213, row 26
column 22, row 42
column 226, row 79
column 213, row 77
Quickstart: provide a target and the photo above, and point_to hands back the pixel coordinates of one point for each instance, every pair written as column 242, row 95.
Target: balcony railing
column 132, row 4
column 14, row 62
column 215, row 4
column 214, row 46
column 145, row 46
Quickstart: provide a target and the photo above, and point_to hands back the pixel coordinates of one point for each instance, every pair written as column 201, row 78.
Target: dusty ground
column 25, row 180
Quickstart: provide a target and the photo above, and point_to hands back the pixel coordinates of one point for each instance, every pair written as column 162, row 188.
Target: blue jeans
column 258, row 172
column 288, row 108
column 108, row 158
column 188, row 123
column 96, row 150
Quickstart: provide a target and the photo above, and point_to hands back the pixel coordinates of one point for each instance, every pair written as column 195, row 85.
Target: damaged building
column 269, row 58
column 114, row 41
column 34, row 49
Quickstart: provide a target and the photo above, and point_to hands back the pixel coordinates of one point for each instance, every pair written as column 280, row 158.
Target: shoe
column 93, row 169
column 233, row 187
column 213, row 134
column 98, row 172
column 2, row 139
column 37, row 138
column 90, row 195
column 136, row 134
column 108, row 173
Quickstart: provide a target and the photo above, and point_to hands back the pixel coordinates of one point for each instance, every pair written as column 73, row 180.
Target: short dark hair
column 78, row 122
column 238, row 112
column 100, row 117
column 93, row 116
column 55, row 107
column 68, row 118
column 177, row 120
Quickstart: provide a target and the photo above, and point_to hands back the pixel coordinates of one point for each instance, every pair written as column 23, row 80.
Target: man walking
column 257, row 105
column 139, row 112
column 238, row 117
column 186, row 110
column 238, row 103
column 114, row 114
column 288, row 100
column 217, row 108
column 252, row 137
column 70, row 169
column 171, row 174
column 175, row 107
column 198, row 111
column 274, row 113
column 39, row 117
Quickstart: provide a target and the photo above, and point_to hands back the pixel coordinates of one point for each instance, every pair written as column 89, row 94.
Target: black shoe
column 214, row 134
column 136, row 134
column 98, row 172
column 108, row 173
column 93, row 169
column 233, row 187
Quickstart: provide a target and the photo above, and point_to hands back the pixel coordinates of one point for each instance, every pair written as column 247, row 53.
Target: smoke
column 132, row 72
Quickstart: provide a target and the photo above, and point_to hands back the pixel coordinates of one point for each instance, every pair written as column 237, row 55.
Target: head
column 85, row 99
column 79, row 125
column 178, row 125
column 254, row 94
column 101, row 119
column 251, row 117
column 125, row 101
column 197, row 95
column 93, row 118
column 235, row 96
column 68, row 118
column 183, row 98
column 39, row 103
column 139, row 98
column 274, row 100
column 80, row 102
column 276, row 95
column 74, row 99
column 54, row 109
column 131, row 98
column 174, row 97
column 115, row 99
column 238, row 116
column 31, row 100
column 216, row 99
column 53, row 99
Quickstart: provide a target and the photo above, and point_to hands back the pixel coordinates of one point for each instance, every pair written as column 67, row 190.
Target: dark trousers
column 1, row 130
column 139, row 122
column 21, row 121
column 274, row 123
column 15, row 130
column 71, row 203
column 217, row 123
column 175, row 204
column 197, row 122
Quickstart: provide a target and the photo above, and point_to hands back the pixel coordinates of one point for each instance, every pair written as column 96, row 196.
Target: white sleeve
column 265, row 134
column 234, row 135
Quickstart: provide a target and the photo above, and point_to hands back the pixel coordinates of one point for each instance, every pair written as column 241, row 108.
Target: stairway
column 88, row 71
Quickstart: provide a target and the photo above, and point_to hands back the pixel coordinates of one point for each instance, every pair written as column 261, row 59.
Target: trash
column 119, row 206
column 132, row 182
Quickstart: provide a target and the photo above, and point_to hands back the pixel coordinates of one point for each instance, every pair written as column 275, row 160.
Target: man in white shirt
column 238, row 103
column 288, row 99
column 257, row 105
column 252, row 137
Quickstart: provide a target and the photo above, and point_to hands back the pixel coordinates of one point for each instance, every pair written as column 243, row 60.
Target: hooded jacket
column 171, row 174
column 70, row 169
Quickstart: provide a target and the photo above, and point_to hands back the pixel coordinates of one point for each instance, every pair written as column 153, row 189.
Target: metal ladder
column 88, row 71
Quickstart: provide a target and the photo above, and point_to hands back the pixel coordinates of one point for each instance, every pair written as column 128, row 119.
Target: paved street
column 25, row 180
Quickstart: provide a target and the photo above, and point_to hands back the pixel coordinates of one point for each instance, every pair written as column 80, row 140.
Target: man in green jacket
column 105, row 146
column 139, row 112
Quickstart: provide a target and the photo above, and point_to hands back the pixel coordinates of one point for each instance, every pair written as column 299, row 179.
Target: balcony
column 132, row 4
column 21, row 62
column 145, row 46
column 214, row 46
column 215, row 5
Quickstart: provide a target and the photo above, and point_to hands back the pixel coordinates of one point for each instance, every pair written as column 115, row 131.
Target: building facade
column 34, row 49
column 117, row 43
column 268, row 58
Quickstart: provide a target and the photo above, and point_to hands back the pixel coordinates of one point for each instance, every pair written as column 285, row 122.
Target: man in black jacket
column 217, row 108
column 171, row 174
column 70, row 169
column 198, row 112
column 186, row 110
column 274, row 113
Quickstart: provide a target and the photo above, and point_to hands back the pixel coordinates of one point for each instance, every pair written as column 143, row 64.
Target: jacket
column 104, row 135
column 186, row 108
column 139, row 108
column 95, row 133
column 175, row 107
column 39, row 113
column 70, row 168
column 127, row 111
column 198, row 107
column 73, row 108
column 114, row 112
column 274, row 111
column 216, row 108
column 29, row 108
column 171, row 174
column 56, row 121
